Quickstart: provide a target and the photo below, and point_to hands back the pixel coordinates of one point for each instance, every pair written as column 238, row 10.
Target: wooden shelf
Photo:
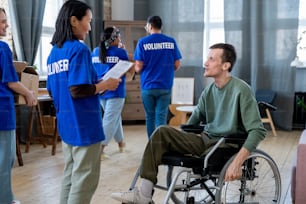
column 130, row 32
column 133, row 108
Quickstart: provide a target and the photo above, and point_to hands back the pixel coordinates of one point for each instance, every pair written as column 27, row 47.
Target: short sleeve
column 7, row 70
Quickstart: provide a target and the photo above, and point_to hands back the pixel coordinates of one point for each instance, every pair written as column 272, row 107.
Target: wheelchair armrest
column 235, row 138
column 192, row 128
column 267, row 105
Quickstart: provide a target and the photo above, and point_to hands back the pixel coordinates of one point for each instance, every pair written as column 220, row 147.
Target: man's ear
column 73, row 21
column 226, row 66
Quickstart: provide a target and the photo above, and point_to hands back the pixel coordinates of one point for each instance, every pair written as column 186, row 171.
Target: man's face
column 3, row 24
column 214, row 66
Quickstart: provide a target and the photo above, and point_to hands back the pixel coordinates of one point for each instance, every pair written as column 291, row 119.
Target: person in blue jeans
column 9, row 83
column 156, row 57
column 104, row 57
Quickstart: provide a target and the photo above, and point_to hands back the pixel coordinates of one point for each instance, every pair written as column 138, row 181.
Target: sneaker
column 121, row 146
column 132, row 197
column 15, row 202
column 104, row 156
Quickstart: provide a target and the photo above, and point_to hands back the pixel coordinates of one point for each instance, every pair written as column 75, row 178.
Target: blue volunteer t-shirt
column 158, row 53
column 79, row 120
column 7, row 74
column 114, row 54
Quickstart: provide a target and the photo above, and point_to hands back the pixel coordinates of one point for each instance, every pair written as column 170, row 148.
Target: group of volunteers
column 88, row 120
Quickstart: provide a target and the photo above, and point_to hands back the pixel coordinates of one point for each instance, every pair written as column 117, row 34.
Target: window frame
column 47, row 32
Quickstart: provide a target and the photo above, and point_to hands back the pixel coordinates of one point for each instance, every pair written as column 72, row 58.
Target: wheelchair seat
column 215, row 163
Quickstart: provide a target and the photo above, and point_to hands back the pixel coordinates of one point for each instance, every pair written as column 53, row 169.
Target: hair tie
column 106, row 43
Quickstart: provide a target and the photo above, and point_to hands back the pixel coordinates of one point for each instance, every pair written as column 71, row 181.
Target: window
column 50, row 15
column 214, row 27
column 301, row 47
column 213, row 24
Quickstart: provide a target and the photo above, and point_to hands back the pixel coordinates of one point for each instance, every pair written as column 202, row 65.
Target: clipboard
column 118, row 70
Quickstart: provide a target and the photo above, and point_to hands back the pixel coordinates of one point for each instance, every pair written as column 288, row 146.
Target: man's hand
column 234, row 171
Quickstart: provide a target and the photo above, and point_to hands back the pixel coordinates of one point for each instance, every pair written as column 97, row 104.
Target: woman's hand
column 30, row 98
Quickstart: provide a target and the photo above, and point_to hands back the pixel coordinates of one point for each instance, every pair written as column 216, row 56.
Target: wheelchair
column 200, row 180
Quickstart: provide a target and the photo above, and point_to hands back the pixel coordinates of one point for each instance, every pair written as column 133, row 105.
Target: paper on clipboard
column 118, row 70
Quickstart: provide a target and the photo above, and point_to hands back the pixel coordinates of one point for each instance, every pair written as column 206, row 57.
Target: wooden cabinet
column 133, row 107
column 130, row 32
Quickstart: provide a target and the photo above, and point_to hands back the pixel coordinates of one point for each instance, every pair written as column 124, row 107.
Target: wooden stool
column 18, row 152
column 269, row 120
column 180, row 113
column 47, row 127
column 30, row 128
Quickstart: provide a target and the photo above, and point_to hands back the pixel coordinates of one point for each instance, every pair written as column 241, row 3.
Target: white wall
column 122, row 9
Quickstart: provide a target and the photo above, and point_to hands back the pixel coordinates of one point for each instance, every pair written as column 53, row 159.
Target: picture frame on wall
column 183, row 91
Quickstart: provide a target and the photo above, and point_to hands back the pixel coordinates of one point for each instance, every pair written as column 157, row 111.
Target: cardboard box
column 28, row 77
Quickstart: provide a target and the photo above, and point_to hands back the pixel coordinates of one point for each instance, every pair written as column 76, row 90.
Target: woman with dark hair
column 104, row 58
column 9, row 83
column 74, row 86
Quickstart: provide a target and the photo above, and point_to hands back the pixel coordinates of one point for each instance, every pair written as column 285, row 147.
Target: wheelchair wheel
column 189, row 187
column 260, row 182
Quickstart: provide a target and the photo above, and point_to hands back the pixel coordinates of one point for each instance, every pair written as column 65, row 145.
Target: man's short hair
column 155, row 21
column 229, row 53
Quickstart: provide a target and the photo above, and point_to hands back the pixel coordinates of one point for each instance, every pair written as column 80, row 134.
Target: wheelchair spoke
column 260, row 183
column 193, row 191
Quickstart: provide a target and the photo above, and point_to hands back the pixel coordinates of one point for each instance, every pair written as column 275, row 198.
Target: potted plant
column 301, row 103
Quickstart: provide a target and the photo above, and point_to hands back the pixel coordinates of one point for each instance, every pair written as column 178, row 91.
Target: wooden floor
column 38, row 181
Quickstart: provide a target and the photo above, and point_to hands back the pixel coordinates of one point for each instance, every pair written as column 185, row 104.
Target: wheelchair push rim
column 260, row 183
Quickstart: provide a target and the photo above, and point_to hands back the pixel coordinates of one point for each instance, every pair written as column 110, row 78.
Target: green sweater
column 231, row 109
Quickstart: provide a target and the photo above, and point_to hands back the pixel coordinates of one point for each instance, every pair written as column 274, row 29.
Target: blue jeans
column 156, row 103
column 7, row 158
column 112, row 121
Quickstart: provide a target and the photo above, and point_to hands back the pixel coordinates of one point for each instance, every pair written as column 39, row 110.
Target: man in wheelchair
column 227, row 105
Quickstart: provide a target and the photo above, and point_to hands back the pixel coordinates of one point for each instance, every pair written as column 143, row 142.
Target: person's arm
column 19, row 88
column 177, row 65
column 198, row 115
column 129, row 75
column 85, row 90
column 110, row 84
column 138, row 66
column 234, row 171
column 252, row 124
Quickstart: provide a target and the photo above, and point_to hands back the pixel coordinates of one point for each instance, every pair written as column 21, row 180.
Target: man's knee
column 161, row 132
